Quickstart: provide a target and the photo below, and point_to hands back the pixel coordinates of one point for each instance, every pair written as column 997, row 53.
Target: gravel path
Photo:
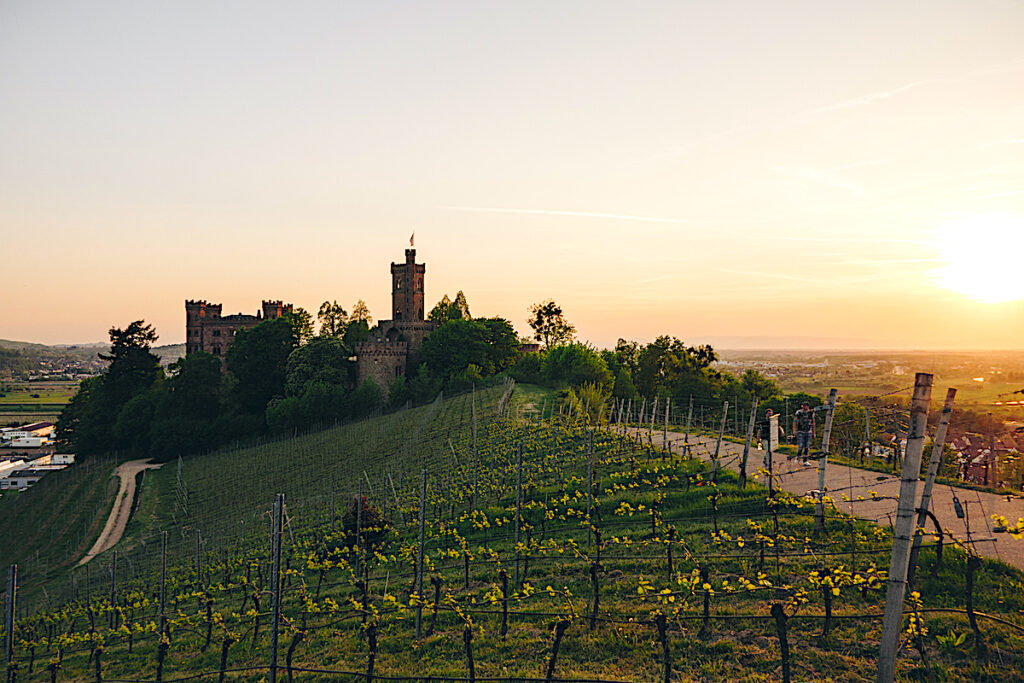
column 122, row 510
column 979, row 506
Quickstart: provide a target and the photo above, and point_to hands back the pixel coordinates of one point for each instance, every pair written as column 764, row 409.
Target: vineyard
column 486, row 537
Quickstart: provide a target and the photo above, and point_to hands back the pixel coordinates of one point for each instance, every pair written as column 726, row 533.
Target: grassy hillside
column 651, row 565
column 49, row 527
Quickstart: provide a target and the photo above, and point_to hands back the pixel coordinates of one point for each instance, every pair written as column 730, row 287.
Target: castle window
column 216, row 333
column 216, row 350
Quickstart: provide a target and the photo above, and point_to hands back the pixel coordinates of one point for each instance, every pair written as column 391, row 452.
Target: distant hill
column 21, row 357
column 169, row 353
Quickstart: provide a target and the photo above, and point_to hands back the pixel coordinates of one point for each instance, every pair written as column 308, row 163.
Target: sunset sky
column 778, row 174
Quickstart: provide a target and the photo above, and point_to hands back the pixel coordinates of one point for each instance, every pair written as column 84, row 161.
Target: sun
column 982, row 257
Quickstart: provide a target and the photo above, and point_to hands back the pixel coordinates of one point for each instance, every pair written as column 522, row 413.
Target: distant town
column 27, row 455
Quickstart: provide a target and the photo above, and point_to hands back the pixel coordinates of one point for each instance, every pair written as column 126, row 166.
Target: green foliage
column 325, row 359
column 87, row 424
column 333, row 319
column 360, row 313
column 528, row 369
column 302, row 324
column 447, row 310
column 193, row 389
column 356, row 332
column 490, row 344
column 591, row 397
column 668, row 366
column 258, row 359
column 549, row 324
column 575, row 365
column 366, row 399
column 757, row 385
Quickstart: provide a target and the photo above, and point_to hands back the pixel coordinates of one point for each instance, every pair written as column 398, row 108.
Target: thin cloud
column 819, row 176
column 871, row 98
column 856, row 240
column 571, row 214
column 859, row 101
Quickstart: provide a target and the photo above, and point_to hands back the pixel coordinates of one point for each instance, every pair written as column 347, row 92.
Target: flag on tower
column 412, row 238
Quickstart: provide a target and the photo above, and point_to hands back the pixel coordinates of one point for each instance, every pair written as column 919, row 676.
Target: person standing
column 804, row 431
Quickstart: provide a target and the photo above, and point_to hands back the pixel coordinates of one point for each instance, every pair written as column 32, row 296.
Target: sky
column 785, row 174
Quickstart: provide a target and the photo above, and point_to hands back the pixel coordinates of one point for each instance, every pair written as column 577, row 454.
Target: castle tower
column 407, row 288
column 275, row 309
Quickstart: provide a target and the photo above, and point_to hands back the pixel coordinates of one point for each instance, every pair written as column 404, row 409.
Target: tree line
column 279, row 376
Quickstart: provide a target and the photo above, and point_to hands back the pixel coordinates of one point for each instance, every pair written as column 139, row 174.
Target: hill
column 548, row 550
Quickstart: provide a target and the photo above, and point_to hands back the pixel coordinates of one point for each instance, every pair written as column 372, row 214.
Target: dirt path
column 122, row 510
column 855, row 483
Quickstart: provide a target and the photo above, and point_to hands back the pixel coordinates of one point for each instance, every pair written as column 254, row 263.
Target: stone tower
column 393, row 344
column 407, row 289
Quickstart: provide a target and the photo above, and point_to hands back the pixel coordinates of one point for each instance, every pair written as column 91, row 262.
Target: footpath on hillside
column 122, row 510
column 871, row 495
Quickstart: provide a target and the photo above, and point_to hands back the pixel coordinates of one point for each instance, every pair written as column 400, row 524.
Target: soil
column 122, row 510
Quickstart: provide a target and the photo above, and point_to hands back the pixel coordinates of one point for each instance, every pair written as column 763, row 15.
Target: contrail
column 576, row 214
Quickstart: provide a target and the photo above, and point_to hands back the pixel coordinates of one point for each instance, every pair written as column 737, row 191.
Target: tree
column 356, row 332
column 258, row 359
column 447, row 310
column 333, row 319
column 302, row 322
column 361, row 312
column 462, row 305
column 667, row 365
column 756, row 384
column 549, row 324
column 575, row 365
column 87, row 424
column 490, row 344
column 325, row 359
column 193, row 389
column 628, row 354
column 133, row 367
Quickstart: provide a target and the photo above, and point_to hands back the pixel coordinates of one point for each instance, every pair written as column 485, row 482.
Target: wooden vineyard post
column 664, row 433
column 113, row 586
column 419, row 555
column 654, row 414
column 929, row 481
column 10, row 608
column 718, row 446
column 590, row 482
column 867, row 434
column 476, row 467
column 819, row 510
column 199, row 566
column 163, row 575
column 275, row 584
column 519, row 503
column 903, row 529
column 746, row 445
column 773, row 436
column 689, row 419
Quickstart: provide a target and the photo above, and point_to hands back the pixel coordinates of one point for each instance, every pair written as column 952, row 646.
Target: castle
column 391, row 345
column 207, row 330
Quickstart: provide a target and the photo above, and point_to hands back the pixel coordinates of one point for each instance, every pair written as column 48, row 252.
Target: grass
column 231, row 483
column 25, row 393
column 49, row 526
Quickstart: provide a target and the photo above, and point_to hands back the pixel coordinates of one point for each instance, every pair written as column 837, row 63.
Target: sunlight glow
column 981, row 254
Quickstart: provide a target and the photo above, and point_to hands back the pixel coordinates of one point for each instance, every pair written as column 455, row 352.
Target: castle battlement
column 207, row 330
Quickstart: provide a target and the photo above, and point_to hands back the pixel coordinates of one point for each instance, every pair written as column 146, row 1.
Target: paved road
column 122, row 510
column 852, row 482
